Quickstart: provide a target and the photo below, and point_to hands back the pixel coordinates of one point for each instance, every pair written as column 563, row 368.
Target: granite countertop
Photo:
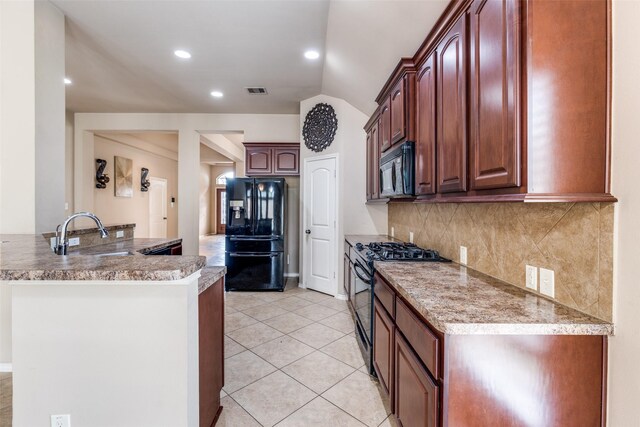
column 209, row 276
column 458, row 300
column 29, row 257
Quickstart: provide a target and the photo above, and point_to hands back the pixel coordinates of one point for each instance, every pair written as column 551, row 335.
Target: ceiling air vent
column 256, row 90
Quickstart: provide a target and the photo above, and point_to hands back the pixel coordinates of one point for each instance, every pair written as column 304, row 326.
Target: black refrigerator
column 254, row 246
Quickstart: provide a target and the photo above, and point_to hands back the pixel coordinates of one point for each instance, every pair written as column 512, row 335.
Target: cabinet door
column 426, row 128
column 211, row 350
column 494, row 155
column 397, row 106
column 286, row 161
column 416, row 395
column 384, row 126
column 373, row 164
column 258, row 161
column 383, row 335
column 451, row 106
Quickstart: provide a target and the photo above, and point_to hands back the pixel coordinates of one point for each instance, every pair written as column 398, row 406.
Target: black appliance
column 363, row 282
column 254, row 243
column 397, row 171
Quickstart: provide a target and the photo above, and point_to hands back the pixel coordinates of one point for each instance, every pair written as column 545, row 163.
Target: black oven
column 361, row 302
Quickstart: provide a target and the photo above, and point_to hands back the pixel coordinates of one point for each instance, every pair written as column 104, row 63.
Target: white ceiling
column 119, row 54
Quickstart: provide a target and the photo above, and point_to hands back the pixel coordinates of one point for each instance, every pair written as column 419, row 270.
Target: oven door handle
column 355, row 270
column 254, row 254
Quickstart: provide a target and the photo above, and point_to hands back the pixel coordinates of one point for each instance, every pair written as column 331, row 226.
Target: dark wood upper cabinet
column 286, row 161
column 268, row 159
column 451, row 127
column 426, row 127
column 259, row 161
column 373, row 160
column 397, row 104
column 384, row 126
column 494, row 152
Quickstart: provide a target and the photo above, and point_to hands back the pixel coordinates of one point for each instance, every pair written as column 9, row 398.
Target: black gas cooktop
column 392, row 251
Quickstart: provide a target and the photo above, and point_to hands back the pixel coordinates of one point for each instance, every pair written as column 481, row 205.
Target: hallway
column 212, row 246
column 291, row 359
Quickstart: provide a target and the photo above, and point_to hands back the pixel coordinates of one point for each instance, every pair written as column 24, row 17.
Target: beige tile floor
column 291, row 359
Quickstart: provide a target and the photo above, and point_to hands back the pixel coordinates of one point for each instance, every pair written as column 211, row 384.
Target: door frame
column 166, row 210
column 219, row 209
column 304, row 219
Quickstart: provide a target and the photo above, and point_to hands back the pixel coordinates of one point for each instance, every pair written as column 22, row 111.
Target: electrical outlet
column 532, row 277
column 393, row 232
column 61, row 420
column 463, row 255
column 66, row 206
column 74, row 241
column 288, row 260
column 547, row 282
column 53, row 243
column 119, row 233
column 411, row 237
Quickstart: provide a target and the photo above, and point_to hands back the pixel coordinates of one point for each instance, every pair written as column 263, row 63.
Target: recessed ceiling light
column 312, row 54
column 182, row 54
column 217, row 94
column 67, row 81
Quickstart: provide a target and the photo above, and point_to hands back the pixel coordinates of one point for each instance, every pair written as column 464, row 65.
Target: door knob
column 307, row 231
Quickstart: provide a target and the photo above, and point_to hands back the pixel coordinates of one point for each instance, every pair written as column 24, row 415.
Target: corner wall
column 354, row 215
column 624, row 347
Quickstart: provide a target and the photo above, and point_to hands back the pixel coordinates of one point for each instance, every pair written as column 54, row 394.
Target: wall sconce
column 101, row 178
column 144, row 182
column 173, row 201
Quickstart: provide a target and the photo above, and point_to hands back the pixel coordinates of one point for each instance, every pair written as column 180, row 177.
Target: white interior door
column 320, row 201
column 158, row 208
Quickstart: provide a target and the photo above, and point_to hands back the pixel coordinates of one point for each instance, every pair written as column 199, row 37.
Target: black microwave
column 397, row 173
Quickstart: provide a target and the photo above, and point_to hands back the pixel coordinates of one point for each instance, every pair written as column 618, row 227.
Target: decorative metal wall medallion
column 124, row 177
column 320, row 127
column 101, row 177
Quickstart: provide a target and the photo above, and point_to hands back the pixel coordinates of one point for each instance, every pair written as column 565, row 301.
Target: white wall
column 354, row 216
column 108, row 353
column 123, row 210
column 17, row 117
column 68, row 162
column 50, row 116
column 624, row 347
column 256, row 127
column 207, row 185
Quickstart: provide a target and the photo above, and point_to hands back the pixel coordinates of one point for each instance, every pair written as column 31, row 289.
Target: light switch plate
column 61, row 420
column 532, row 277
column 119, row 233
column 411, row 237
column 75, row 241
column 393, row 232
column 547, row 282
column 463, row 255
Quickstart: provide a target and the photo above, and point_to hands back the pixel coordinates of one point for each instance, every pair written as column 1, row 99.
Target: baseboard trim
column 301, row 285
column 6, row 367
column 291, row 274
column 342, row 297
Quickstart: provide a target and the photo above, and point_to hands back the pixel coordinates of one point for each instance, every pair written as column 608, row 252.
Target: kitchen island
column 109, row 339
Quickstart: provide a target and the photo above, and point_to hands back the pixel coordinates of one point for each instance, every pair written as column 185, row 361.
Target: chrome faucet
column 62, row 242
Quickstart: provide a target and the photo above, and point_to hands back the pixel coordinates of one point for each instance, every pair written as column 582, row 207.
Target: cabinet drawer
column 424, row 342
column 386, row 296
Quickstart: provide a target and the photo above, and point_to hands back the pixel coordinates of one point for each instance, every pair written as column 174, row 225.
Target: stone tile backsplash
column 575, row 240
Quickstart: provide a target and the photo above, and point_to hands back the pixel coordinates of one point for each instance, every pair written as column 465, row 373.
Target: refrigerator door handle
column 254, row 254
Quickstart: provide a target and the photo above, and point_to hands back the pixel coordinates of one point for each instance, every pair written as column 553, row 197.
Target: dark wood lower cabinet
column 383, row 336
column 416, row 394
column 211, row 351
